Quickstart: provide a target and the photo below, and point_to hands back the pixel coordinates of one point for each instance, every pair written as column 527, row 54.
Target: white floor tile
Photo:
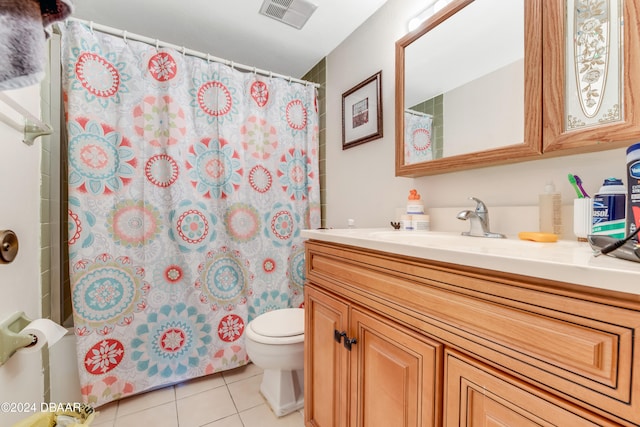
column 198, row 385
column 228, row 399
column 106, row 412
column 143, row 401
column 104, row 423
column 205, row 407
column 241, row 373
column 246, row 392
column 232, row 421
column 262, row 416
column 163, row 415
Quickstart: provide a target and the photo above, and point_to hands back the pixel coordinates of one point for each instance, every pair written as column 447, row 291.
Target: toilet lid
column 286, row 322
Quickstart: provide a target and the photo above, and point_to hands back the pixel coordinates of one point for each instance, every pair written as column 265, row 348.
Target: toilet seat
column 284, row 326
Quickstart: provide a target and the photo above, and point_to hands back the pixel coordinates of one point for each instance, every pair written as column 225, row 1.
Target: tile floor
column 226, row 399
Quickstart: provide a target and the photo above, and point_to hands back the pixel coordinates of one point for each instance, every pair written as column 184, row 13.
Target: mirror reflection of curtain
column 417, row 136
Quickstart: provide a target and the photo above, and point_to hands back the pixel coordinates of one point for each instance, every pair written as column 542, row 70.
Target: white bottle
column 550, row 205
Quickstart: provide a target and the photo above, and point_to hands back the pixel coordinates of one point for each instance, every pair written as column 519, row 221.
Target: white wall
column 21, row 378
column 361, row 182
column 496, row 95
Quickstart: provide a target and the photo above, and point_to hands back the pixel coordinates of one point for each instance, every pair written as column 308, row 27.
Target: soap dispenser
column 550, row 205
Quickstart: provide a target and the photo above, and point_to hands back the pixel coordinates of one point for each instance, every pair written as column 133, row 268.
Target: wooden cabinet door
column 477, row 395
column 326, row 361
column 395, row 375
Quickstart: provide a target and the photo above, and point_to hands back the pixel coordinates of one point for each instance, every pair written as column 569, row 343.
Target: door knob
column 8, row 246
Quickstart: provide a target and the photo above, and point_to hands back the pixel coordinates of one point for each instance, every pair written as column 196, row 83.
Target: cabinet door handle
column 339, row 335
column 348, row 342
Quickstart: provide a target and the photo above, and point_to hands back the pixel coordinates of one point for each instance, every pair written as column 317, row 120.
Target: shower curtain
column 417, row 137
column 189, row 182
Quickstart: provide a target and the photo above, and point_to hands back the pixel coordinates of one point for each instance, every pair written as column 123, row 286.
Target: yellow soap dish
column 536, row 236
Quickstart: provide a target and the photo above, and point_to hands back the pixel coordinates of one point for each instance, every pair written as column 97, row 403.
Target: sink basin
column 442, row 240
column 426, row 238
column 433, row 244
column 434, row 238
column 401, row 236
column 453, row 241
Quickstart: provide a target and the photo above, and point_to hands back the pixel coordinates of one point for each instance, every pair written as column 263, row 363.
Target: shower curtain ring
column 183, row 50
column 232, row 65
column 91, row 26
column 157, row 45
column 124, row 36
column 208, row 58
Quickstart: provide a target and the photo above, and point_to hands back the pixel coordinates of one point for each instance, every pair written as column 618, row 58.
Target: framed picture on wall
column 362, row 112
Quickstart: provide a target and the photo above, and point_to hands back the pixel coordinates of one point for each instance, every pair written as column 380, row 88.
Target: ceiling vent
column 291, row 12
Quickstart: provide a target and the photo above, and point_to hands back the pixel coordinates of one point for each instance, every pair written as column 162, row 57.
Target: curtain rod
column 417, row 113
column 157, row 43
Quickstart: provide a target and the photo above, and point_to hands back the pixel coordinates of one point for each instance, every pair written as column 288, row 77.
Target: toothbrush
column 579, row 184
column 574, row 184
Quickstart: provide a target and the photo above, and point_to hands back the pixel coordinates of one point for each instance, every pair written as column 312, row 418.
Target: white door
column 21, row 377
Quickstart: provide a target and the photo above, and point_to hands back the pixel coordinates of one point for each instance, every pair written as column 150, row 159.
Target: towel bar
column 32, row 127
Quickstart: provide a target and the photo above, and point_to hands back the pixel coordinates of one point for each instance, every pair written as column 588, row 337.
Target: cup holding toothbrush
column 582, row 218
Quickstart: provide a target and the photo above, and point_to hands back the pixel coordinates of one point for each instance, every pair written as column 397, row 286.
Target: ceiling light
column 433, row 8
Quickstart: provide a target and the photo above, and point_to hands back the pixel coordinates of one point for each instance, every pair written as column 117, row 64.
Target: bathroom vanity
column 430, row 329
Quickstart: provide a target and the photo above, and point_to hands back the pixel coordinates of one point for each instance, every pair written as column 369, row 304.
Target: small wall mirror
column 468, row 87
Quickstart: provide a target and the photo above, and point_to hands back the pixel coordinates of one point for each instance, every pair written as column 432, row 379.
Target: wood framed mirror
column 591, row 64
column 469, row 87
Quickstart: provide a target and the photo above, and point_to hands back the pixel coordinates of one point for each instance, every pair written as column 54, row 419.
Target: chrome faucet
column 479, row 221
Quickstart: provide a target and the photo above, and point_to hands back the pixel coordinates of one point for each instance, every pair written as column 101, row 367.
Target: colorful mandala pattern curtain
column 189, row 182
column 417, row 137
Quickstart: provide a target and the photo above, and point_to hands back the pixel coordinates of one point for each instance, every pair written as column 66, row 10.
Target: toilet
column 275, row 343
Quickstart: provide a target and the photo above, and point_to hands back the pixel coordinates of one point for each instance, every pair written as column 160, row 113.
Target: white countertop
column 565, row 261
